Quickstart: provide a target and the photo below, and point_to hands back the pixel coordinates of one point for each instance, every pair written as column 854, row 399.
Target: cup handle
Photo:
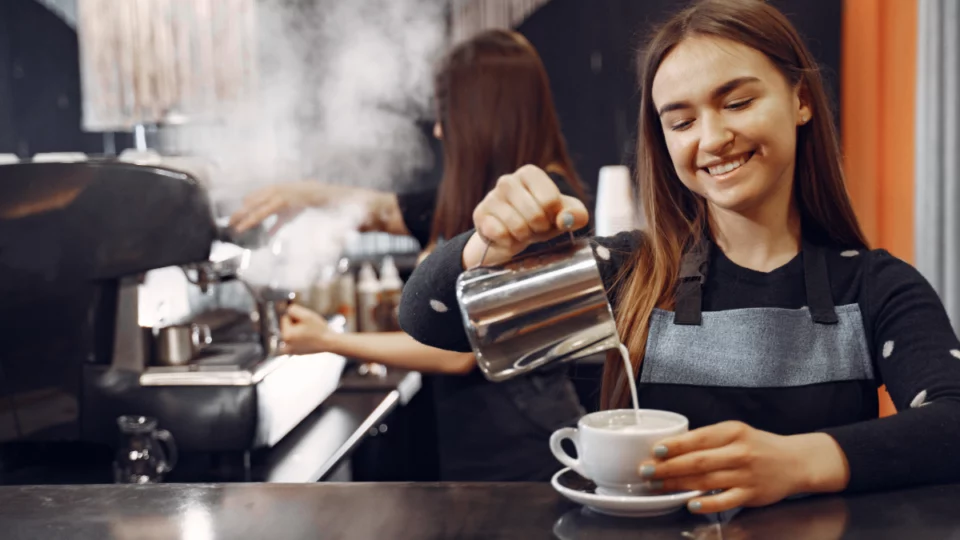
column 562, row 456
column 166, row 439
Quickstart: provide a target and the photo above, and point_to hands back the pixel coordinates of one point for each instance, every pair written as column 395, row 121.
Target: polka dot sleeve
column 917, row 356
column 428, row 308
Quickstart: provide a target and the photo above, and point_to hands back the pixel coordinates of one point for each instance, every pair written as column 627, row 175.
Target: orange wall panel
column 897, row 132
column 859, row 104
column 878, row 72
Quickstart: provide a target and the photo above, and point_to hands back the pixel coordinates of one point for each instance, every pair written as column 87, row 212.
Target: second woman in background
column 496, row 114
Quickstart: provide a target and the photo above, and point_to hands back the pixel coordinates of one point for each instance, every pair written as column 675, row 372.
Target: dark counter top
column 430, row 510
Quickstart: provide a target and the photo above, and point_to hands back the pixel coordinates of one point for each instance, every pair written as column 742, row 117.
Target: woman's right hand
column 280, row 199
column 524, row 208
column 304, row 331
column 288, row 199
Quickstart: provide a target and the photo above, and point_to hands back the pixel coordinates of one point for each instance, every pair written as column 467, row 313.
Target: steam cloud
column 342, row 85
column 295, row 254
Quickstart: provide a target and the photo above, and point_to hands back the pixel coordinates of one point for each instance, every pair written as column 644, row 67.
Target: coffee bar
column 232, row 444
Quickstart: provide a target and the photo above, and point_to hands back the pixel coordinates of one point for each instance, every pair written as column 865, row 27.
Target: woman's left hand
column 753, row 467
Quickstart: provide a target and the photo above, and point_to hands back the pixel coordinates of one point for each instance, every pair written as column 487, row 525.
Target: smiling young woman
column 750, row 304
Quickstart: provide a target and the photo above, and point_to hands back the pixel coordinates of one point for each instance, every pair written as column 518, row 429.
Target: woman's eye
column 739, row 105
column 680, row 126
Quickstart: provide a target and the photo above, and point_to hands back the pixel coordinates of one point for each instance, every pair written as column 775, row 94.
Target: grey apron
column 756, row 347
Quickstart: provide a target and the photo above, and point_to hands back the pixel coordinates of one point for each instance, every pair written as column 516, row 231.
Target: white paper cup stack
column 615, row 211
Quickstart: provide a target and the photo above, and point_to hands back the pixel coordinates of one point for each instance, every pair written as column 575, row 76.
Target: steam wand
column 271, row 302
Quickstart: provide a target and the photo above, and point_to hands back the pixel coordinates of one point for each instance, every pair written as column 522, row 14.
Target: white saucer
column 582, row 491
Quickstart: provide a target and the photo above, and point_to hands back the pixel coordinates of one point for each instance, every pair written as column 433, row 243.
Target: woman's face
column 730, row 121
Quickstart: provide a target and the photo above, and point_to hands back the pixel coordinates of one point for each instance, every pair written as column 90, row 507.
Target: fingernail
column 660, row 451
column 647, row 471
column 694, row 506
column 567, row 219
column 656, row 485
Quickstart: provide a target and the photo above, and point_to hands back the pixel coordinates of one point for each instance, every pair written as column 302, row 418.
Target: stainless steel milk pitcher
column 540, row 309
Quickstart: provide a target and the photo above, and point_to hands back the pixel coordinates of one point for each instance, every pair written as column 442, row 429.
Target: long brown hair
column 497, row 114
column 676, row 216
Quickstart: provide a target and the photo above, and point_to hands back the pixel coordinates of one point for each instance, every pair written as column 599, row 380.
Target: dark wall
column 39, row 83
column 7, row 135
column 589, row 48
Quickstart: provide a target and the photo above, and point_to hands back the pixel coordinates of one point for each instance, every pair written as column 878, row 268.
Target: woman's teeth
column 724, row 168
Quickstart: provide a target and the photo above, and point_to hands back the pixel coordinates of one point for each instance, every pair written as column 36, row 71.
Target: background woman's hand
column 524, row 208
column 287, row 200
column 753, row 467
column 304, row 331
column 280, row 199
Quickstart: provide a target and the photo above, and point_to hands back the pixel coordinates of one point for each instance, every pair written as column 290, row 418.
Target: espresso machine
column 79, row 346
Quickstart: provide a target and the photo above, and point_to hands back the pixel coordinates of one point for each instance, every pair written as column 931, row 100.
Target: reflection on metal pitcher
column 536, row 310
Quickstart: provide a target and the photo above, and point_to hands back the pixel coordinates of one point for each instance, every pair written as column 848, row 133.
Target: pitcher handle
column 166, row 439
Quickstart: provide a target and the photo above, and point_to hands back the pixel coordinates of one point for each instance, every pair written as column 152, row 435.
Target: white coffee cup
column 611, row 445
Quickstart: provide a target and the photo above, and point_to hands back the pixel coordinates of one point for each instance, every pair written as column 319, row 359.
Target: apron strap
column 688, row 308
column 817, row 281
column 693, row 274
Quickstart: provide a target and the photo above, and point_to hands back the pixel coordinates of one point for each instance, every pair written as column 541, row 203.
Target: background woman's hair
column 497, row 114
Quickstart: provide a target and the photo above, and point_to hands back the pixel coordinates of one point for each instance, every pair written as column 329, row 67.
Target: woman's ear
column 801, row 97
column 438, row 131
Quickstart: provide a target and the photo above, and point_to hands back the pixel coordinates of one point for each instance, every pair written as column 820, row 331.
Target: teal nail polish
column 660, row 451
column 656, row 485
column 647, row 471
column 567, row 219
column 694, row 506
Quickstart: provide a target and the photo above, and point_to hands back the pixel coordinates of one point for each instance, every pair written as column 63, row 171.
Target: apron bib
column 756, row 347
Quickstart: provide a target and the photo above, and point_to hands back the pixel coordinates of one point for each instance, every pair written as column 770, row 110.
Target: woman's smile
column 727, row 168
